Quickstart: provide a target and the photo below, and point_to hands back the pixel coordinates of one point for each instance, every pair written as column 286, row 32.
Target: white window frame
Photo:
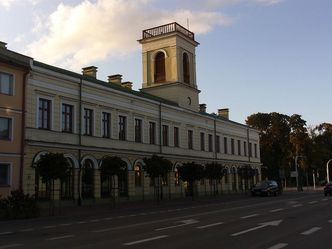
column 11, row 132
column 74, row 113
column 142, row 129
column 93, row 121
column 52, row 110
column 118, row 126
column 101, row 122
column 10, row 164
column 14, row 80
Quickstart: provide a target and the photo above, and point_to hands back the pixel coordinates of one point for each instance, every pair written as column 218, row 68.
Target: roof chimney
column 202, row 107
column 223, row 113
column 127, row 84
column 115, row 78
column 90, row 71
column 3, row 45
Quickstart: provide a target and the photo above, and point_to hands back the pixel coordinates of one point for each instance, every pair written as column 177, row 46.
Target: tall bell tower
column 169, row 64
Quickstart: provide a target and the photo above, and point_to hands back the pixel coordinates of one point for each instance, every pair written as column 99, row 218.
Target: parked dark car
column 265, row 188
column 328, row 189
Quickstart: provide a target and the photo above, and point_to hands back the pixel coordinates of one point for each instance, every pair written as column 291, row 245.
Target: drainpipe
column 79, row 145
column 23, row 129
column 160, row 131
column 248, row 145
column 215, row 136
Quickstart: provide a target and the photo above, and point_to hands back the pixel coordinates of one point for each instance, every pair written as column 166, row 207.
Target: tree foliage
column 214, row 171
column 284, row 138
column 111, row 166
column 52, row 166
column 191, row 172
column 157, row 166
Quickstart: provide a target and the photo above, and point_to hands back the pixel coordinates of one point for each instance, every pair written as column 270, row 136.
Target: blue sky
column 254, row 55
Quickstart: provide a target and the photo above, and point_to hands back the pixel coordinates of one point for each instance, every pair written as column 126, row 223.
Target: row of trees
column 285, row 138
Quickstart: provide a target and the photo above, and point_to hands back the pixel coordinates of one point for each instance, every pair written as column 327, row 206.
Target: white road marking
column 108, row 218
column 330, row 221
column 312, row 202
column 325, row 199
column 95, row 220
column 210, row 225
column 297, row 205
column 81, row 222
column 27, row 230
column 183, row 223
column 65, row 224
column 48, row 227
column 145, row 240
column 10, row 246
column 276, row 210
column 312, row 230
column 271, row 223
column 61, row 237
column 133, row 215
column 5, row 233
column 278, row 246
column 249, row 216
column 101, row 230
column 120, row 217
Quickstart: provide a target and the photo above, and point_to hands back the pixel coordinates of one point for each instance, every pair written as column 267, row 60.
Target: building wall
column 61, row 87
column 11, row 107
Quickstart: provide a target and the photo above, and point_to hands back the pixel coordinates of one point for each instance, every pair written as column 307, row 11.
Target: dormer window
column 159, row 75
column 186, row 72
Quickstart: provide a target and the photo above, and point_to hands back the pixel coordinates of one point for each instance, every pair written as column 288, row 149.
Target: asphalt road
column 292, row 220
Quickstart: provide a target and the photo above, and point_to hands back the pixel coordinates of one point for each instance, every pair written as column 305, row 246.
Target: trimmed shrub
column 18, row 206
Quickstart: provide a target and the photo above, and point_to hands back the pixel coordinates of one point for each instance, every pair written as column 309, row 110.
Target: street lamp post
column 327, row 170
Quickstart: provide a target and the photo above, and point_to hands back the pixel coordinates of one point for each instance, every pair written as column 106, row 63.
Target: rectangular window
column 122, row 127
column 250, row 149
column 88, row 121
column 190, row 140
column 255, row 148
column 232, row 146
column 165, row 135
column 6, row 83
column 152, row 132
column 210, row 143
column 5, row 128
column 217, row 144
column 245, row 148
column 225, row 145
column 176, row 137
column 138, row 130
column 4, row 174
column 44, row 118
column 67, row 117
column 106, row 124
column 239, row 147
column 202, row 141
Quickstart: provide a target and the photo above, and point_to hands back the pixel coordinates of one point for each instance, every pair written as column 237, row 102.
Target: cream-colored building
column 14, row 69
column 87, row 119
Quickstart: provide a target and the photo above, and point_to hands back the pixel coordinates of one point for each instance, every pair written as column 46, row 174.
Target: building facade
column 88, row 119
column 14, row 69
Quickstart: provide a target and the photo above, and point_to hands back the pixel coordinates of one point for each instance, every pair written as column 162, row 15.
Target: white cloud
column 9, row 3
column 80, row 35
column 268, row 2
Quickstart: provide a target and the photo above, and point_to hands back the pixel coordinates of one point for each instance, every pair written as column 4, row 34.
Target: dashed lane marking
column 249, row 216
column 61, row 237
column 48, row 227
column 10, row 246
column 210, row 225
column 276, row 210
column 6, row 233
column 297, row 205
column 312, row 202
column 145, row 240
column 310, row 231
column 278, row 246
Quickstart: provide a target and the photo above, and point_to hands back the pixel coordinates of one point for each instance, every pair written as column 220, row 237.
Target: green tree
column 191, row 172
column 157, row 168
column 51, row 167
column 214, row 172
column 111, row 167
